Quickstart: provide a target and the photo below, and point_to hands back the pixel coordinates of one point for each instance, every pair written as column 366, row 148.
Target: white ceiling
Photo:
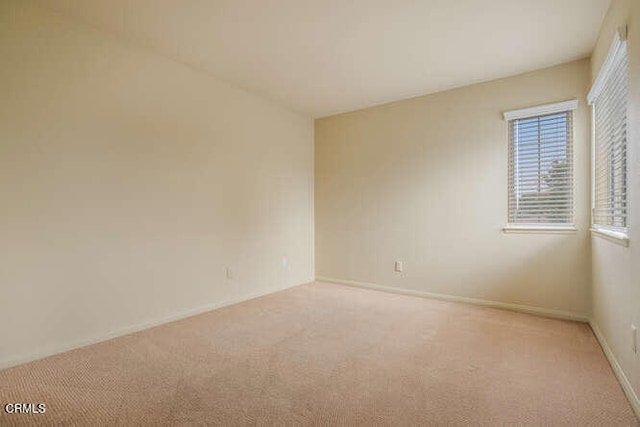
column 328, row 56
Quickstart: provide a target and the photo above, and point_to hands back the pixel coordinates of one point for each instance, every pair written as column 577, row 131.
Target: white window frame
column 614, row 235
column 541, row 110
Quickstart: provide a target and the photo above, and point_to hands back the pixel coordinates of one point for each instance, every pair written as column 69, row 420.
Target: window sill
column 540, row 229
column 617, row 237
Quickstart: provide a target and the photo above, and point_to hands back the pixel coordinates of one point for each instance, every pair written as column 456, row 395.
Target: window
column 608, row 99
column 541, row 167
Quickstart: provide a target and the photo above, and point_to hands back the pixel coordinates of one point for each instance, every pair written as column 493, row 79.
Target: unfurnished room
column 320, row 212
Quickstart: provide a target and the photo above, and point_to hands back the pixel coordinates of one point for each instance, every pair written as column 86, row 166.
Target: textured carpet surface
column 326, row 354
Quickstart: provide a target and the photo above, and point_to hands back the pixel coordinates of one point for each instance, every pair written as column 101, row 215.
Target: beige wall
column 424, row 181
column 130, row 182
column 616, row 269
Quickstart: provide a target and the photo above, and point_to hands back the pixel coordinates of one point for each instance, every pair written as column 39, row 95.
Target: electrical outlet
column 229, row 273
column 634, row 339
column 284, row 262
column 398, row 267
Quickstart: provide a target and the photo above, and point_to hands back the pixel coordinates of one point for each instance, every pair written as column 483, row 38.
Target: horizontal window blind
column 541, row 169
column 610, row 150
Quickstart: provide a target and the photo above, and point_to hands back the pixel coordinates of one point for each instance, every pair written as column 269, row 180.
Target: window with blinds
column 608, row 99
column 541, row 165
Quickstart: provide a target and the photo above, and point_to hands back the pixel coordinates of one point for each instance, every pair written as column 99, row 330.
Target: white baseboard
column 14, row 361
column 617, row 369
column 540, row 311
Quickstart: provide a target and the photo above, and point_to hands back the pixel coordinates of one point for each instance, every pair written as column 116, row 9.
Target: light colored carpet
column 326, row 354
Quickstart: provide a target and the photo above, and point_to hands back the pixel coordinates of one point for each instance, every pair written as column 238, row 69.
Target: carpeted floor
column 326, row 354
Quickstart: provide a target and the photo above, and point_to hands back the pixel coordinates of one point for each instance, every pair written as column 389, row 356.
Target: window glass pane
column 541, row 169
column 610, row 171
